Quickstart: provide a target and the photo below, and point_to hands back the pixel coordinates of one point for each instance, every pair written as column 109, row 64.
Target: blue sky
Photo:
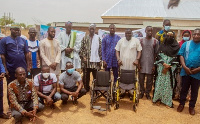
column 47, row 11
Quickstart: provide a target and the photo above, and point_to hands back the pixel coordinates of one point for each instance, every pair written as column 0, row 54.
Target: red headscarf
column 182, row 41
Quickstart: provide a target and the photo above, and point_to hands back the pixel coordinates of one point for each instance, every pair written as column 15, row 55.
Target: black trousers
column 86, row 77
column 65, row 97
column 188, row 81
column 41, row 99
column 149, row 83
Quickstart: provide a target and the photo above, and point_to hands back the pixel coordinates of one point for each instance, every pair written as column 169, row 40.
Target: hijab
column 170, row 46
column 182, row 41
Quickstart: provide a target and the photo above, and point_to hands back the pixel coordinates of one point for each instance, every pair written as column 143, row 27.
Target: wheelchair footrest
column 99, row 108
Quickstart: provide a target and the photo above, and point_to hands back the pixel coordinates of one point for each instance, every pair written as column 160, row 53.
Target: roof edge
column 129, row 17
column 111, row 7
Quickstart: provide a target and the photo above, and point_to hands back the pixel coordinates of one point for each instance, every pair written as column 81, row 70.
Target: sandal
column 158, row 103
column 5, row 116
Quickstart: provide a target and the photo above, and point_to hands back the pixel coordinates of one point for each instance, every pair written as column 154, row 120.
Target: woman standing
column 166, row 65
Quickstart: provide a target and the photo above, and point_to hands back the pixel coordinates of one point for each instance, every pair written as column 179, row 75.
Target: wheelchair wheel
column 92, row 96
column 116, row 106
column 112, row 94
column 134, row 108
column 137, row 93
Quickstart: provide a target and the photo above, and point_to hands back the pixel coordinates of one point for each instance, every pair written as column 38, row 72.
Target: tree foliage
column 5, row 20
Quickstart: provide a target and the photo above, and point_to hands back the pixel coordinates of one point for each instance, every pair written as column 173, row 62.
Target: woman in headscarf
column 166, row 62
column 186, row 36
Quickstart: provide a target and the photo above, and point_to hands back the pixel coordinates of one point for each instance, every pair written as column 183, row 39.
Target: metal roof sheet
column 187, row 9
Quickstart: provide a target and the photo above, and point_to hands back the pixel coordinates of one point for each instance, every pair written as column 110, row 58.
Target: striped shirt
column 19, row 96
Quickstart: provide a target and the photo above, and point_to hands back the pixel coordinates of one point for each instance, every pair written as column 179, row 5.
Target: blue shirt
column 14, row 51
column 108, row 50
column 193, row 60
column 2, row 69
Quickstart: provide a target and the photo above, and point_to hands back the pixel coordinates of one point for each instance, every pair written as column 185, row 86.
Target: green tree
column 5, row 20
column 22, row 25
column 19, row 24
column 30, row 26
column 49, row 24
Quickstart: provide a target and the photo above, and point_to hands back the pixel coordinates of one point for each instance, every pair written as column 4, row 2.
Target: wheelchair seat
column 102, row 79
column 127, row 79
column 101, row 87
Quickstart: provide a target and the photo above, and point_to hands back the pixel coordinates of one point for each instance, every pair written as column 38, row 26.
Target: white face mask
column 167, row 28
column 45, row 75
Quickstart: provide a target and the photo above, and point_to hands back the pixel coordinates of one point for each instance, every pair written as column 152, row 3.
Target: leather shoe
column 148, row 96
column 180, row 108
column 141, row 95
column 191, row 111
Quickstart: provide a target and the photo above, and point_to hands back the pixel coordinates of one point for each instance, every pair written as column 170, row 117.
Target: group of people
column 60, row 57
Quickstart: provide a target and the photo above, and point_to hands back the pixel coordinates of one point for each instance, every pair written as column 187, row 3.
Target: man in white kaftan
column 70, row 46
column 128, row 52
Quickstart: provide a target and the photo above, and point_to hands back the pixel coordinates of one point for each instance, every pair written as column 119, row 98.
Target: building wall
column 129, row 21
column 181, row 23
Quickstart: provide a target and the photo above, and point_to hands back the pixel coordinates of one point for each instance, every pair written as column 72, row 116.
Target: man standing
column 14, row 53
column 108, row 51
column 33, row 47
column 45, row 83
column 70, row 46
column 190, row 72
column 90, row 55
column 149, row 49
column 50, row 52
column 128, row 52
column 160, row 36
column 23, row 97
column 67, row 83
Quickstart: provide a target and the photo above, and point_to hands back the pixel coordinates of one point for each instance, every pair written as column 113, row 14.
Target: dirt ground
column 81, row 113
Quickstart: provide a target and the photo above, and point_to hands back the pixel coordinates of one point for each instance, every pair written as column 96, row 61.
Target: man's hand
column 194, row 71
column 7, row 74
column 187, row 70
column 120, row 62
column 136, row 62
column 29, row 114
column 2, row 76
column 53, row 66
column 34, row 114
column 104, row 64
column 75, row 94
column 49, row 100
column 68, row 50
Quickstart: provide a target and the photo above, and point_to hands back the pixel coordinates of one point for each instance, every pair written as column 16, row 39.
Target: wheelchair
column 127, row 77
column 101, row 87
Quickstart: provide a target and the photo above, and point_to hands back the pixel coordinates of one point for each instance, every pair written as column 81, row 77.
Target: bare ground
column 81, row 114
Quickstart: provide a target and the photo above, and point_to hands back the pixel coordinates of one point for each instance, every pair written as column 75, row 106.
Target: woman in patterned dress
column 166, row 62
